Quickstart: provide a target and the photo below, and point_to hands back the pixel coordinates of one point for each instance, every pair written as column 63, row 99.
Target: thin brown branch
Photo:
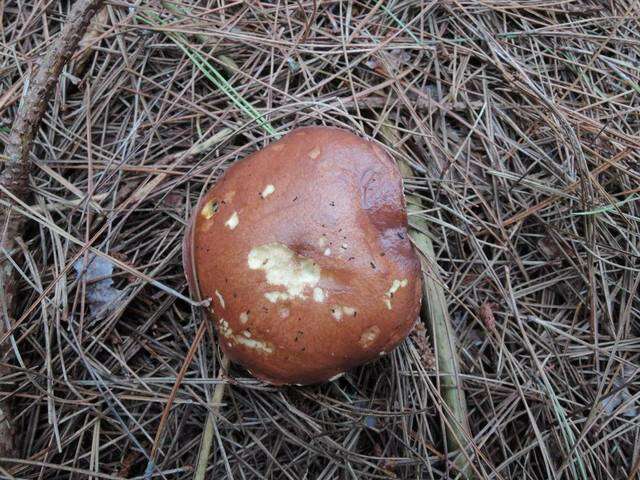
column 15, row 173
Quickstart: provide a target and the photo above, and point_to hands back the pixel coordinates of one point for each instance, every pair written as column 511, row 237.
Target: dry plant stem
column 436, row 314
column 207, row 434
column 174, row 390
column 15, row 174
column 444, row 339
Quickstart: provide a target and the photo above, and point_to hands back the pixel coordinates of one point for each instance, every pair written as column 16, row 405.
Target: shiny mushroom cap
column 303, row 249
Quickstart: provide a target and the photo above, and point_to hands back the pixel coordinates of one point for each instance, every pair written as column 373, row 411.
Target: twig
column 14, row 176
column 174, row 391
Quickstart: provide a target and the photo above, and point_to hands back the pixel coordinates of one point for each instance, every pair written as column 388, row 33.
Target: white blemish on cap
column 314, row 153
column 255, row 344
column 350, row 311
column 244, row 317
column 369, row 336
column 335, row 377
column 229, row 196
column 209, row 209
column 283, row 312
column 274, row 297
column 283, row 267
column 225, row 330
column 268, row 190
column 382, row 353
column 221, row 299
column 327, row 252
column 233, row 221
column 318, row 294
column 395, row 286
column 243, row 339
column 322, row 241
column 338, row 311
column 344, row 246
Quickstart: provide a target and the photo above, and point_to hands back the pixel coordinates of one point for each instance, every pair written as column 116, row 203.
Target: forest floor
column 520, row 121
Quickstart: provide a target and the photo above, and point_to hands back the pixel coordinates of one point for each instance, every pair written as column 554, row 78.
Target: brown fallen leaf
column 486, row 315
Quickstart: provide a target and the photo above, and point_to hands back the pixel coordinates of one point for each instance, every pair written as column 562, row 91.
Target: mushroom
column 303, row 249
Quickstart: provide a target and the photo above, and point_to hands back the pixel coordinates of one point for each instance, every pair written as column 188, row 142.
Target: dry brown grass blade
column 15, row 172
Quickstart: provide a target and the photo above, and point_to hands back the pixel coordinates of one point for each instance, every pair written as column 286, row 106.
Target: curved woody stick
column 15, row 174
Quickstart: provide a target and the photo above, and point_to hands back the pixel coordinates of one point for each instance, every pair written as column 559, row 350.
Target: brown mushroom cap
column 303, row 249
